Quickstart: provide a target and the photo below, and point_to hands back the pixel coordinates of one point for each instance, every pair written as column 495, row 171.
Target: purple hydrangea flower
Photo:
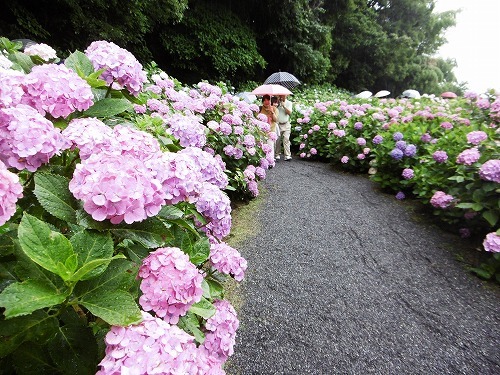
column 490, row 171
column 396, row 154
column 397, row 136
column 344, row 159
column 90, row 135
column 440, row 156
column 378, row 139
column 358, row 125
column 400, row 195
column 401, row 145
column 492, row 242
column 426, row 138
column 441, row 199
column 410, row 150
column 469, row 156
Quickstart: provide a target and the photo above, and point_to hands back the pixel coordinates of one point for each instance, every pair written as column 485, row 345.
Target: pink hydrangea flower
column 491, row 242
column 122, row 69
column 221, row 327
column 344, row 159
column 117, row 187
column 228, row 260
column 150, row 347
column 11, row 91
column 27, row 139
column 446, row 125
column 56, row 90
column 211, row 168
column 440, row 156
column 215, row 206
column 469, row 156
column 476, row 137
column 187, row 129
column 90, row 135
column 490, row 171
column 170, row 283
column 441, row 199
column 10, row 191
column 407, row 173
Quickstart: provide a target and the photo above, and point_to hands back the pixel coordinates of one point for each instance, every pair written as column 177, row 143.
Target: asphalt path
column 343, row 279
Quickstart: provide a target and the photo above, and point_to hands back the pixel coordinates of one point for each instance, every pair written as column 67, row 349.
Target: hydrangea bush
column 442, row 152
column 114, row 207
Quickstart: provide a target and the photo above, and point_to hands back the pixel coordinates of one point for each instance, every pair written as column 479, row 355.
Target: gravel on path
column 343, row 280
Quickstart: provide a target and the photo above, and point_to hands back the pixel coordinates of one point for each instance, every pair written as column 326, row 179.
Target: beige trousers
column 285, row 138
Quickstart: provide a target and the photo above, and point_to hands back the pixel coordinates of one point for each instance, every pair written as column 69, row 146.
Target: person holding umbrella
column 272, row 117
column 284, row 110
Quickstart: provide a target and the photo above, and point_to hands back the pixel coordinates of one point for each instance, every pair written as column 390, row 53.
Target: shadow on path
column 342, row 280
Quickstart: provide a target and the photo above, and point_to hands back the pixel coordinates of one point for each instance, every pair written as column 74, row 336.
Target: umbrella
column 363, row 95
column 414, row 94
column 284, row 79
column 382, row 93
column 448, row 95
column 246, row 96
column 271, row 89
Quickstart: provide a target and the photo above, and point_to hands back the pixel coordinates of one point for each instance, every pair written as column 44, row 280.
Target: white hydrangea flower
column 44, row 51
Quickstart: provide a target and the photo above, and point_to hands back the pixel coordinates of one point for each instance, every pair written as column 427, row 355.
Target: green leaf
column 47, row 248
column 204, row 308
column 189, row 323
column 74, row 350
column 477, row 207
column 80, row 63
column 7, row 243
column 32, row 359
column 120, row 274
column 491, row 217
column 465, row 205
column 108, row 107
column 53, row 194
column 150, row 233
column 199, row 252
column 86, row 270
column 28, row 296
column 115, row 307
column 37, row 327
column 170, row 213
column 22, row 60
column 216, row 289
column 206, row 288
column 91, row 246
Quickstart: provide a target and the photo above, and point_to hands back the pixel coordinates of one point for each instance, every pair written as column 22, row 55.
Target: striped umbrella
column 284, row 79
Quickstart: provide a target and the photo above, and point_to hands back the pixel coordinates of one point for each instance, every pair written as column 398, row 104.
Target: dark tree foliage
column 209, row 43
column 353, row 44
column 68, row 25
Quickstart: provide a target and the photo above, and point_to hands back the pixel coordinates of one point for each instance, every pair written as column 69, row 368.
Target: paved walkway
column 343, row 280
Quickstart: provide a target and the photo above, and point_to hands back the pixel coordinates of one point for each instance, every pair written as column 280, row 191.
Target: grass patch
column 244, row 227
